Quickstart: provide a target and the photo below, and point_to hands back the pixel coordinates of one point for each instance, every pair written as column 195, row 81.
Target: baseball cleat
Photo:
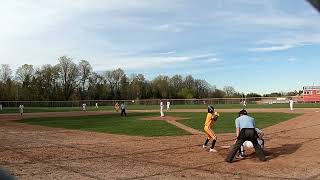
column 213, row 150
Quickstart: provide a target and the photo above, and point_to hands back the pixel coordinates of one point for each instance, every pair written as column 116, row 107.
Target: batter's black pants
column 246, row 134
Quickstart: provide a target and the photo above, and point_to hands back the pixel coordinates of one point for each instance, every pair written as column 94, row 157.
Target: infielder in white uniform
column 161, row 109
column 21, row 107
column 244, row 103
column 291, row 104
column 84, row 107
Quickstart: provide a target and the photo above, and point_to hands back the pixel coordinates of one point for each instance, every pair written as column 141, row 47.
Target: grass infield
column 133, row 125
column 112, row 123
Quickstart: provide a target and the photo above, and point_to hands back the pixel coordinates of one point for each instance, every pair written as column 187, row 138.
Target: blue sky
column 255, row 46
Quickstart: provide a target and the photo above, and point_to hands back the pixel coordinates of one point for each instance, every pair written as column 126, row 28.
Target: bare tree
column 25, row 78
column 7, row 86
column 25, row 73
column 176, row 84
column 68, row 73
column 85, row 71
column 47, row 82
column 229, row 91
column 202, row 88
column 5, row 73
column 97, row 87
column 113, row 78
column 109, row 82
column 160, row 86
column 124, row 87
column 189, row 82
column 136, row 85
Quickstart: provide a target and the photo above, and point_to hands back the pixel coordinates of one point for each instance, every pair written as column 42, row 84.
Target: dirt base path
column 173, row 120
column 36, row 152
column 184, row 127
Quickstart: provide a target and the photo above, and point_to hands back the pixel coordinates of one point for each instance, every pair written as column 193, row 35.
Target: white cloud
column 263, row 60
column 25, row 18
column 271, row 48
column 285, row 43
column 279, row 21
column 142, row 62
column 38, row 32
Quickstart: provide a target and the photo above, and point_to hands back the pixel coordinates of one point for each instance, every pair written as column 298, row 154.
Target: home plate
column 225, row 147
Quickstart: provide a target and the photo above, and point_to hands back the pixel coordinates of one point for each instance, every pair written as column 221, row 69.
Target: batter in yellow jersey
column 212, row 116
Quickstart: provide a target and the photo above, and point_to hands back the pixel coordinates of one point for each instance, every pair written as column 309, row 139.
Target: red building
column 311, row 93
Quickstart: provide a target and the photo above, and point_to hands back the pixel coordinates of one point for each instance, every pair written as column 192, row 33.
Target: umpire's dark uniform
column 246, row 125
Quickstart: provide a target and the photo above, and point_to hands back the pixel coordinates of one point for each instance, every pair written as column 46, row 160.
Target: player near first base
column 210, row 120
column 21, row 107
column 291, row 104
column 84, row 107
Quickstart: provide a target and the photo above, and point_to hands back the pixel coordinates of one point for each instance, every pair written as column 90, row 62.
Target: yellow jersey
column 209, row 120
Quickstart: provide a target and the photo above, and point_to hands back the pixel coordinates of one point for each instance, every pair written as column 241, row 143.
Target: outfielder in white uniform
column 168, row 105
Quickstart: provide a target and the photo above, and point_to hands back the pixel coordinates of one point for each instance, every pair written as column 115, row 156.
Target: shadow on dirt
column 283, row 150
column 272, row 153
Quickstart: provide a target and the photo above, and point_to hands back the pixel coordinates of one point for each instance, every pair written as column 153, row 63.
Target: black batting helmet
column 210, row 109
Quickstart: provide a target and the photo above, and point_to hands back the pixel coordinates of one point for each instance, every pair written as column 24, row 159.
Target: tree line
column 70, row 81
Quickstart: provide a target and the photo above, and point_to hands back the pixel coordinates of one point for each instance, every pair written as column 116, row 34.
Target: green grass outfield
column 154, row 107
column 133, row 125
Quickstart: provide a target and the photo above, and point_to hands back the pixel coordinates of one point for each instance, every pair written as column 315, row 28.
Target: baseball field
column 103, row 145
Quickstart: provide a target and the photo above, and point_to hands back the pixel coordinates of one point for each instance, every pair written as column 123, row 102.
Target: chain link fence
column 151, row 102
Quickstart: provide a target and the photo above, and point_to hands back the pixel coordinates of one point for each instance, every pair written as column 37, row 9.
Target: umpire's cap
column 243, row 112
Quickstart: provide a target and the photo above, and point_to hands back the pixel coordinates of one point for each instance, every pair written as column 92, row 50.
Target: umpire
column 245, row 127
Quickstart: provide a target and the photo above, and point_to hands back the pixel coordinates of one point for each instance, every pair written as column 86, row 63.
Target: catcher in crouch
column 212, row 116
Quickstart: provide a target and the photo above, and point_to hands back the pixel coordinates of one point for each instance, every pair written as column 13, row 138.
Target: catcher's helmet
column 210, row 109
